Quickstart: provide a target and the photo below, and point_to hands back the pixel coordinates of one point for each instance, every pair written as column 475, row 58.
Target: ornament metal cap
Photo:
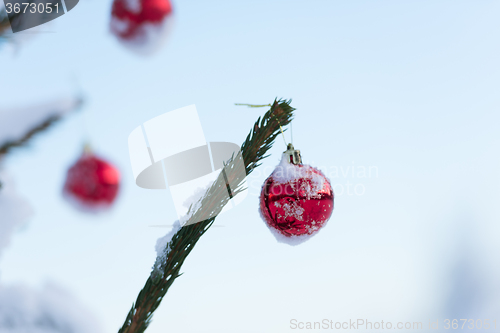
column 294, row 155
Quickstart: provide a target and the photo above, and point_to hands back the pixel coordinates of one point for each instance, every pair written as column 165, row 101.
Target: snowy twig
column 167, row 268
column 18, row 126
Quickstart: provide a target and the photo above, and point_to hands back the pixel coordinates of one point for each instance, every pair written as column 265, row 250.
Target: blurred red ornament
column 141, row 24
column 297, row 199
column 92, row 182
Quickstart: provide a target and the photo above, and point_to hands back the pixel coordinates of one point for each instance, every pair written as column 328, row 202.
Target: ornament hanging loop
column 294, row 156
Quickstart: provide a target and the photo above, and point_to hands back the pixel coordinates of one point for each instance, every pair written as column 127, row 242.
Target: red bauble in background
column 141, row 25
column 296, row 200
column 91, row 182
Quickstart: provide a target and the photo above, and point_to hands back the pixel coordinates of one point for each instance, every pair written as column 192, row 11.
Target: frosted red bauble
column 296, row 200
column 92, row 182
column 141, row 24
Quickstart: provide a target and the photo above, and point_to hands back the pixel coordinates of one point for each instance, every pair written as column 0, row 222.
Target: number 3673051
column 26, row 7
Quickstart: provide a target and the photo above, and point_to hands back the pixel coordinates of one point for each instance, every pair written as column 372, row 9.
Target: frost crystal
column 292, row 209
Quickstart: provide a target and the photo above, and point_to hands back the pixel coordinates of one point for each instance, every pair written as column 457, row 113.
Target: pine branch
column 6, row 147
column 4, row 23
column 167, row 267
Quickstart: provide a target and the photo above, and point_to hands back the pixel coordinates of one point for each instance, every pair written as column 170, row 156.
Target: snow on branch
column 18, row 125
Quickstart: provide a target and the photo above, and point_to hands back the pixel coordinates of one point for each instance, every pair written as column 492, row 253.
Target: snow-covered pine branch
column 18, row 125
column 178, row 244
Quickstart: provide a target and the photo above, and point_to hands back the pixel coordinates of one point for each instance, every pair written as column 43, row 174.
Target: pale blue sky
column 410, row 87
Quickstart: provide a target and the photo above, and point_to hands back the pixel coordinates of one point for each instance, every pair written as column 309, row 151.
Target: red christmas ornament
column 141, row 24
column 296, row 200
column 92, row 182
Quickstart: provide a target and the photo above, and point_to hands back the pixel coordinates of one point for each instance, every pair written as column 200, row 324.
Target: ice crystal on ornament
column 291, row 209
